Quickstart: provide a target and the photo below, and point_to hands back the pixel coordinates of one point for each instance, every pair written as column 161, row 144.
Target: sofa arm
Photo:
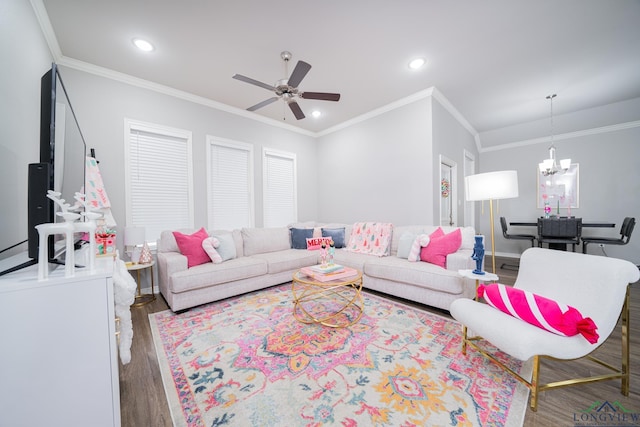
column 460, row 260
column 170, row 263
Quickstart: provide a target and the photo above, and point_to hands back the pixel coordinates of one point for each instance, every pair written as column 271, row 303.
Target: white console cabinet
column 58, row 354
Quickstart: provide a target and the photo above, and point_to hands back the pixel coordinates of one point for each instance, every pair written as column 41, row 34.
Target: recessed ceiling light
column 416, row 63
column 316, row 113
column 143, row 45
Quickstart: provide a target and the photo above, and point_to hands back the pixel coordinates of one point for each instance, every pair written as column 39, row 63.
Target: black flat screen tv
column 61, row 167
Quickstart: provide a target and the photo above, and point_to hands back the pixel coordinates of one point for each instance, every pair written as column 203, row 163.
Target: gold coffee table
column 335, row 303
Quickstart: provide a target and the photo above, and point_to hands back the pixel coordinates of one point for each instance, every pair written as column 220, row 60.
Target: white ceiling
column 494, row 60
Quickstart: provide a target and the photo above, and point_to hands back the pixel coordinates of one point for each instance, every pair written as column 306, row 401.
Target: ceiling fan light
column 143, row 45
column 417, row 63
column 316, row 114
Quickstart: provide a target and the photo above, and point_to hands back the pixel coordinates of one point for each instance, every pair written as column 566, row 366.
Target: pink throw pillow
column 440, row 246
column 190, row 245
column 539, row 311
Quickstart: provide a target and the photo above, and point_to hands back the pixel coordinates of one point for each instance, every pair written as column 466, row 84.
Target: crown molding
column 437, row 95
column 47, row 29
column 378, row 111
column 563, row 136
column 166, row 90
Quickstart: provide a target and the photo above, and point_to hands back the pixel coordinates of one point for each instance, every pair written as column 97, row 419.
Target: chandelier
column 550, row 166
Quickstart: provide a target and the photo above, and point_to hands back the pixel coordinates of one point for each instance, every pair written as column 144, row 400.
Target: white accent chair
column 597, row 286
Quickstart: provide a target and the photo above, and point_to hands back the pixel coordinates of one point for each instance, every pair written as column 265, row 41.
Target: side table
column 486, row 277
column 142, row 299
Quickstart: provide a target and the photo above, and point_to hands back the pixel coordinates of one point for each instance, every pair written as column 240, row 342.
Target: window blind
column 279, row 180
column 159, row 184
column 230, row 172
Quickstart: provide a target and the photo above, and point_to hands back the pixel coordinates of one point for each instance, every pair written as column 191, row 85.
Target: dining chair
column 530, row 237
column 559, row 232
column 596, row 286
column 625, row 235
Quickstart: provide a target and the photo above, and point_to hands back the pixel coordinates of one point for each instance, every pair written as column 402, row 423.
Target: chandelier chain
column 550, row 98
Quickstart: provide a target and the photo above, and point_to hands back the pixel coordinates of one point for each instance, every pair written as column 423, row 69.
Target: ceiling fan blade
column 296, row 110
column 321, row 96
column 301, row 70
column 253, row 82
column 263, row 103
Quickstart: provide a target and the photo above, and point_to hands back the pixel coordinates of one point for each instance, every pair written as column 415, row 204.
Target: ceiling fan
column 287, row 89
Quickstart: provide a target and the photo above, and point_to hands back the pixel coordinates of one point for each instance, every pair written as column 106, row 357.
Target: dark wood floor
column 143, row 401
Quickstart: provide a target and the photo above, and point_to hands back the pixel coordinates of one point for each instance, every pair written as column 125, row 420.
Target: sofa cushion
column 206, row 275
column 299, row 237
column 405, row 241
column 439, row 247
column 336, row 234
column 190, row 245
column 421, row 274
column 227, row 246
column 263, row 240
column 287, row 260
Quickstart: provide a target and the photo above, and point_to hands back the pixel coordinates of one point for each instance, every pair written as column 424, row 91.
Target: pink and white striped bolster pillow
column 420, row 242
column 209, row 244
column 539, row 311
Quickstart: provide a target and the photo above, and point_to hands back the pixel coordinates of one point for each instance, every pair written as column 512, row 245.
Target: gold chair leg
column 533, row 399
column 625, row 344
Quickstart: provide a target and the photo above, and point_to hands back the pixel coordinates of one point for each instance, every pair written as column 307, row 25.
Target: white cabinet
column 58, row 354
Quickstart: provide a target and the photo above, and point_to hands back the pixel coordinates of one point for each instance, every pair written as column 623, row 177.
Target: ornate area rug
column 246, row 361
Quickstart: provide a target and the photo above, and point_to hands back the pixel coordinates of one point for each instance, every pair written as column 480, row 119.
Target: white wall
column 450, row 139
column 25, row 58
column 379, row 169
column 102, row 104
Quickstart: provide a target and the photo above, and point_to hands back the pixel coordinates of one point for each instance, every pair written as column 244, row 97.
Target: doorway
column 448, row 192
column 469, row 207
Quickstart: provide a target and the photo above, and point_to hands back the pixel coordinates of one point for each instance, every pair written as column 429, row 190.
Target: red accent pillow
column 190, row 245
column 440, row 246
column 315, row 243
column 539, row 311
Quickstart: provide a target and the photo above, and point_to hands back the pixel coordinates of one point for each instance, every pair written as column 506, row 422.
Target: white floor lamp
column 491, row 186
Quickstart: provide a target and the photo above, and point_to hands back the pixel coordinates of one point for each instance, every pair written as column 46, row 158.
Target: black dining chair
column 625, row 235
column 559, row 232
column 530, row 237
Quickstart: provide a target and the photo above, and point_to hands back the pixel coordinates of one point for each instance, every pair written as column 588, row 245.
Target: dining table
column 562, row 246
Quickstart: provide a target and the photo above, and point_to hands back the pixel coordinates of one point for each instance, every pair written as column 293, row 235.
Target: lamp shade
column 491, row 186
column 134, row 236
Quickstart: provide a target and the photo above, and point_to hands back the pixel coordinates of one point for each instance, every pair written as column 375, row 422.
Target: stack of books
column 326, row 273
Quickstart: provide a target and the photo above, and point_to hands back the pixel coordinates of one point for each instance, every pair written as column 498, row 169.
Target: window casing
column 280, row 202
column 158, row 178
column 230, row 195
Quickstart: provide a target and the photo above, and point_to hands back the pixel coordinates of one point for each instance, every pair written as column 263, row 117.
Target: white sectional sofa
column 264, row 257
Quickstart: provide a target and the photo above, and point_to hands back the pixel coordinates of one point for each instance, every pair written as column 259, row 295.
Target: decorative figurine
column 323, row 255
column 332, row 252
column 478, row 255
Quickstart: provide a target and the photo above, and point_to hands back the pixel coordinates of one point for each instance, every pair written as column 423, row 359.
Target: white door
column 448, row 192
column 469, row 207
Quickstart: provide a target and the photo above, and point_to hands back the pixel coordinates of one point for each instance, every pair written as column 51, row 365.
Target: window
column 158, row 178
column 230, row 184
column 279, row 181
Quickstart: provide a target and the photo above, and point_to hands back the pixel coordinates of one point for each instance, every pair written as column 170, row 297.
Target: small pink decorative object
column 209, row 245
column 145, row 255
